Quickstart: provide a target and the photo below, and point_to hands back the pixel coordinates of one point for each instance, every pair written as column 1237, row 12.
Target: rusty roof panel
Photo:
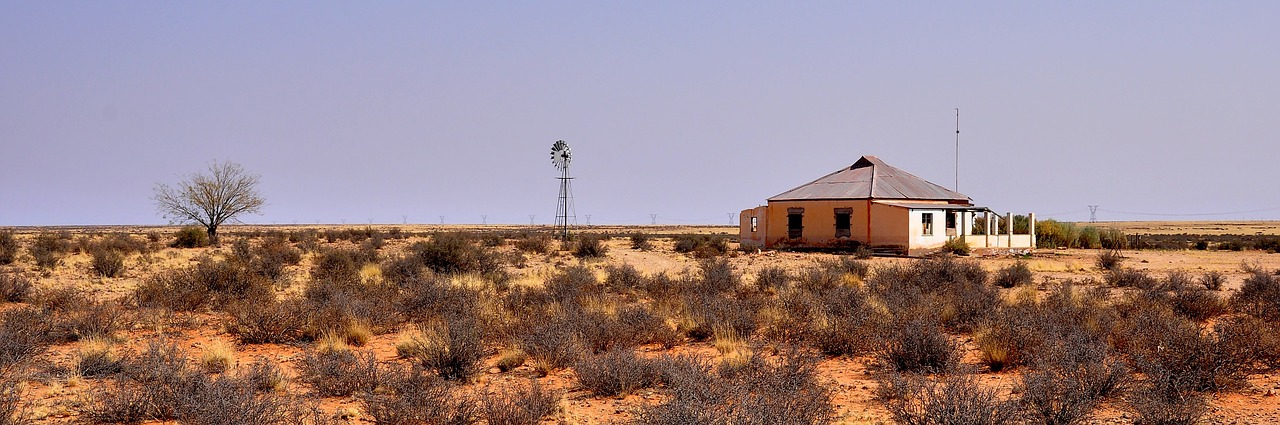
column 870, row 178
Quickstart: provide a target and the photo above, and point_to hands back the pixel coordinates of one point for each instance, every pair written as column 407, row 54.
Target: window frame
column 847, row 230
column 795, row 232
column 926, row 223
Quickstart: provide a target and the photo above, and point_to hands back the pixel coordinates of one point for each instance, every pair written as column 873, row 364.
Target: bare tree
column 210, row 199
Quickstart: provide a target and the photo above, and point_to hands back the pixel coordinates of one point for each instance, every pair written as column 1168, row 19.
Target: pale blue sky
column 692, row 110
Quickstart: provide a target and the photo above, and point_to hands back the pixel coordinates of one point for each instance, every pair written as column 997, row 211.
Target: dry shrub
column 1109, row 260
column 339, row 373
column 412, row 396
column 457, row 350
column 1016, row 274
column 270, row 257
column 845, row 322
column 551, row 344
column 217, row 357
column 190, row 237
column 640, row 241
column 1173, row 351
column 1196, row 303
column 456, row 252
column 951, row 291
column 14, row 287
column 623, row 279
column 956, row 246
column 702, row 246
column 784, row 390
column 952, row 399
column 24, row 335
column 267, row 322
column 1213, row 280
column 615, row 372
column 572, row 283
column 911, row 344
column 704, row 315
column 209, row 283
column 97, row 357
column 525, row 405
column 91, row 320
column 106, row 262
column 8, row 247
column 12, row 409
column 1158, row 405
column 590, row 245
column 717, row 275
column 1124, row 277
column 536, row 243
column 772, row 278
column 342, row 265
column 1259, row 296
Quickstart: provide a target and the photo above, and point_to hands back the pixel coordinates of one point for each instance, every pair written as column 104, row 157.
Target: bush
column 1113, row 239
column 950, row 291
column 107, row 262
column 267, row 322
column 615, row 372
column 14, row 287
column 1015, row 274
column 8, row 247
column 956, row 246
column 623, row 278
column 24, row 335
column 702, row 246
column 47, row 250
column 718, row 276
column 551, row 345
column 270, row 257
column 217, row 357
column 772, row 278
column 519, row 406
column 208, row 283
column 1124, row 277
column 411, row 396
column 1213, row 280
column 455, row 253
column 915, row 345
column 640, row 241
column 1197, row 304
column 780, row 391
column 1259, row 296
column 90, row 320
column 190, row 237
column 1056, row 396
column 953, row 399
column 95, row 357
column 339, row 373
column 537, row 243
column 1109, row 260
column 458, row 351
column 1153, row 405
column 341, row 265
column 590, row 245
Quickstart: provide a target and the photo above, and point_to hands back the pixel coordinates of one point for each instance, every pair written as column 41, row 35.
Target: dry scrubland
column 398, row 325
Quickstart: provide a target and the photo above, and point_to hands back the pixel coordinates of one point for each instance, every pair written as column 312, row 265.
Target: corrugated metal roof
column 928, row 206
column 870, row 178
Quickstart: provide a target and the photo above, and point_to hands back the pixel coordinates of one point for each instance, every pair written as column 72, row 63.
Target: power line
column 1190, row 214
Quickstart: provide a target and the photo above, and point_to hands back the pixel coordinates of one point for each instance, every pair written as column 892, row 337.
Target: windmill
column 565, row 213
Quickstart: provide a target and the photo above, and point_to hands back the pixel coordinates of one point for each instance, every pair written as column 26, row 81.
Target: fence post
column 1031, row 227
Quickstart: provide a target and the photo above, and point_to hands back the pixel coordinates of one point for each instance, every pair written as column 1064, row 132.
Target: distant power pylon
column 484, row 219
column 531, row 216
column 730, row 219
column 404, row 219
column 653, row 219
column 441, row 219
column 1093, row 213
column 588, row 219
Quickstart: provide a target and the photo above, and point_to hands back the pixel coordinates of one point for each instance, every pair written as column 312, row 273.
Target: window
column 753, row 224
column 795, row 222
column 926, row 220
column 842, row 222
column 951, row 220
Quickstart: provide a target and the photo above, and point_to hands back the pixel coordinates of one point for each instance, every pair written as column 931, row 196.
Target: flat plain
column 56, row 386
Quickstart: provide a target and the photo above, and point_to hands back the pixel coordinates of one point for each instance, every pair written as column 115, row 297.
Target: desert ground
column 55, row 386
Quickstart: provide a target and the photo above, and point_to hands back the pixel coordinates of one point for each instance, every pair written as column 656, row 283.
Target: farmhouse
column 874, row 204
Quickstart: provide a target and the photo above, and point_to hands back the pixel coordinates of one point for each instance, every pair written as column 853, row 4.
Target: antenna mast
column 957, row 150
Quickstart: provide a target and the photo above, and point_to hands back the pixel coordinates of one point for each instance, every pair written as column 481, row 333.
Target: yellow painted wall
column 746, row 235
column 819, row 221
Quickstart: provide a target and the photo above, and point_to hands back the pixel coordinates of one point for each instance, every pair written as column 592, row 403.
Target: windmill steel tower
column 560, row 157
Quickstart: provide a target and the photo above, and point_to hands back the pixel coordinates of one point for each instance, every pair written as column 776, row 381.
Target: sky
column 391, row 112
